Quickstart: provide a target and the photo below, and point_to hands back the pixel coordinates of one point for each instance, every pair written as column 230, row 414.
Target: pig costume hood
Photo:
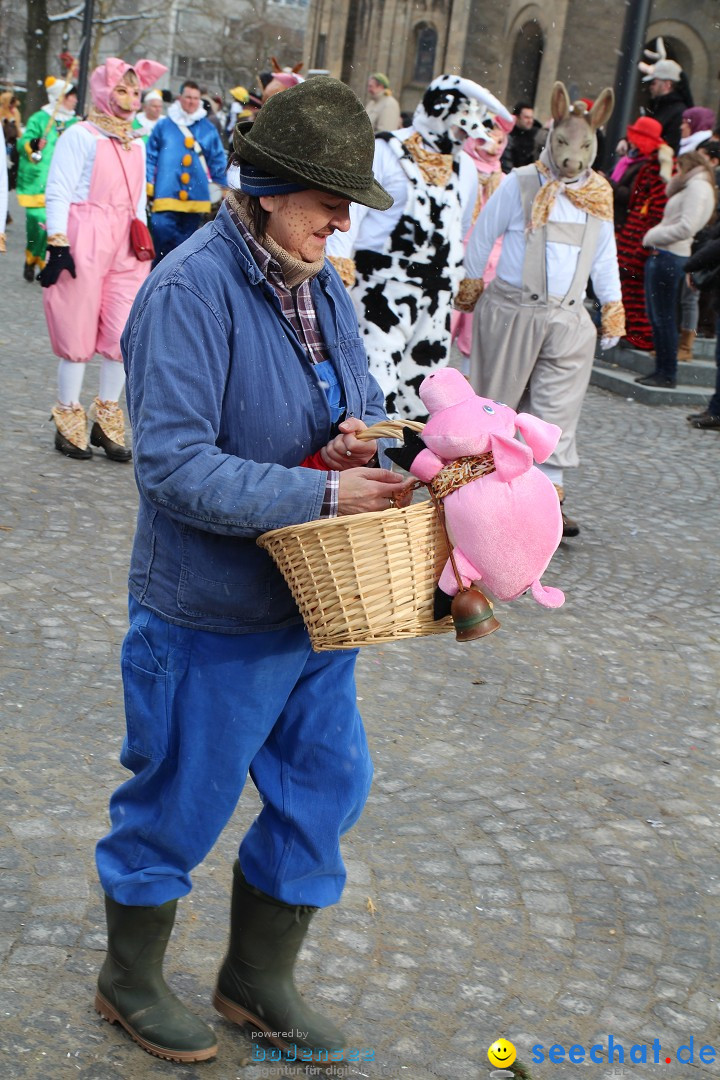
column 105, row 78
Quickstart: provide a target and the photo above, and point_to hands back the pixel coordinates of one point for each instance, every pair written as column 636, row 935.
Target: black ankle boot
column 132, row 991
column 255, row 985
column 114, row 450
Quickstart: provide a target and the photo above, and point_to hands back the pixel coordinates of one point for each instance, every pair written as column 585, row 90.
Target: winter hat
column 645, row 133
column 382, row 79
column 664, row 69
column 240, row 94
column 57, row 88
column 314, row 135
column 699, row 119
column 152, row 95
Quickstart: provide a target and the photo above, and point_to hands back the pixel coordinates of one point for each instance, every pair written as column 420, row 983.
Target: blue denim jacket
column 224, row 404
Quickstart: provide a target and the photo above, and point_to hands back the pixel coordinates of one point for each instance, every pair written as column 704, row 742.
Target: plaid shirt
column 297, row 307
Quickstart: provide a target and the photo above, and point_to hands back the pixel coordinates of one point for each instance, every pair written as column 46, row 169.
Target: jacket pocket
column 225, row 578
column 145, row 691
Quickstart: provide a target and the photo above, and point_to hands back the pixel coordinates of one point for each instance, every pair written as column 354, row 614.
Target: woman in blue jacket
column 243, row 362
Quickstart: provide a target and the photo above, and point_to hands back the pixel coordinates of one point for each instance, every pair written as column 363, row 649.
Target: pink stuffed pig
column 504, row 525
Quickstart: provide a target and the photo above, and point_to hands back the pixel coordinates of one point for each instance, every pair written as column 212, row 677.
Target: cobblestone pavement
column 541, row 843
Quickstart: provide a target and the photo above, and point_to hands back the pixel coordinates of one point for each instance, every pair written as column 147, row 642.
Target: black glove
column 35, row 144
column 406, row 454
column 59, row 259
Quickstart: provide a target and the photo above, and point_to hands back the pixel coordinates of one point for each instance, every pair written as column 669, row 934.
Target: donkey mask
column 573, row 143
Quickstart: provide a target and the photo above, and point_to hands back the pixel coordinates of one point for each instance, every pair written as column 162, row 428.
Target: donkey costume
column 409, row 260
column 533, row 340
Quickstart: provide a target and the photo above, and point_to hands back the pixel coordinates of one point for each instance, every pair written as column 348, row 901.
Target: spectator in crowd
column 12, row 130
column 382, row 108
column 212, row 112
column 36, row 146
column 691, row 198
column 184, row 154
column 645, row 202
column 646, row 136
column 706, row 261
column 667, row 101
column 241, row 108
column 3, row 195
column 522, row 148
column 696, row 127
column 150, row 113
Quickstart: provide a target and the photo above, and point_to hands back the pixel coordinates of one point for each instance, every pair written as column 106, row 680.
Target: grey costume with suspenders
column 531, row 348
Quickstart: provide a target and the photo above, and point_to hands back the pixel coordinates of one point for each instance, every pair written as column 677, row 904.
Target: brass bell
column 472, row 614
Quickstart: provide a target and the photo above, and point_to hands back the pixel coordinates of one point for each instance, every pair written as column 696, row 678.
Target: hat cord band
column 325, row 175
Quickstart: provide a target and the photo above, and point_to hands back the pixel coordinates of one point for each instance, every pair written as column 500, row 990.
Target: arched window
column 525, row 64
column 426, row 40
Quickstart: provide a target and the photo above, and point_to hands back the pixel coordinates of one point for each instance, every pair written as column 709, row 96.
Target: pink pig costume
column 504, row 525
column 96, row 186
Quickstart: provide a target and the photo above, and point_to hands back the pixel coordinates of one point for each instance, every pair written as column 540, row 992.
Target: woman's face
column 125, row 99
column 685, row 129
column 495, row 145
column 302, row 222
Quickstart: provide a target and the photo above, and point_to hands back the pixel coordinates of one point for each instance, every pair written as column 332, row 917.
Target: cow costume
column 404, row 267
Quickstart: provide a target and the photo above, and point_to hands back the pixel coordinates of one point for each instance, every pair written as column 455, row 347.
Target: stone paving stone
column 541, row 845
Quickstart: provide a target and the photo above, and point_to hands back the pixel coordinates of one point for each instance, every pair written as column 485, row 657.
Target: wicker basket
column 364, row 579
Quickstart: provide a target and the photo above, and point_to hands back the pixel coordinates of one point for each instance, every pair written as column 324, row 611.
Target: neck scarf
column 590, row 192
column 435, row 168
column 680, row 180
column 113, row 126
column 484, row 162
column 294, row 271
column 179, row 116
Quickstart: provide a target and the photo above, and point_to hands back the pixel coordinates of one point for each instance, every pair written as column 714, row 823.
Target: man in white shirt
column 533, row 340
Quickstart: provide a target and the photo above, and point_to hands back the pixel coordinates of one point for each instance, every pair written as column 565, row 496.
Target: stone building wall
column 508, row 47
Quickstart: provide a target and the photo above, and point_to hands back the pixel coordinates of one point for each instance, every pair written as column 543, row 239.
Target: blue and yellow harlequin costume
column 178, row 183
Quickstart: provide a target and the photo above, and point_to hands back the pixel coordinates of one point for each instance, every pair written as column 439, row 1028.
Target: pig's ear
column 512, row 458
column 541, row 437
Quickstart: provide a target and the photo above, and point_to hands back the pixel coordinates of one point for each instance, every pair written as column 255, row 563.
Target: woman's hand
column 345, row 451
column 690, row 283
column 362, row 490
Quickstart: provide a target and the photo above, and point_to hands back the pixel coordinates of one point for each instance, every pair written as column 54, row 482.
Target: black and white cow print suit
column 407, row 261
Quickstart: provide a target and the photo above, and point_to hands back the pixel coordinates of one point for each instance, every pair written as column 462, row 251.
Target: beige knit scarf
column 112, row 125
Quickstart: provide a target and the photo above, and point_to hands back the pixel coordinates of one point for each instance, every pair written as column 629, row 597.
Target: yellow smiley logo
column 501, row 1054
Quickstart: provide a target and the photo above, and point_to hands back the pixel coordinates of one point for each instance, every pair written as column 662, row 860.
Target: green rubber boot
column 132, row 991
column 255, row 984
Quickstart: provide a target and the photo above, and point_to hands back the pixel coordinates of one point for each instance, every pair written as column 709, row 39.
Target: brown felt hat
column 316, row 134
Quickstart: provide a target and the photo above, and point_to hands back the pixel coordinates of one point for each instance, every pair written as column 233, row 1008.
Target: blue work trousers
column 204, row 709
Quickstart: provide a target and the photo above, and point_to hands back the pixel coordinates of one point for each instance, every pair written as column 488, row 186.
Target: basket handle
column 387, row 429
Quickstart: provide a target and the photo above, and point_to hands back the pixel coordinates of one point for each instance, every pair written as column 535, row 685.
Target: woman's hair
column 693, row 159
column 130, row 78
column 258, row 217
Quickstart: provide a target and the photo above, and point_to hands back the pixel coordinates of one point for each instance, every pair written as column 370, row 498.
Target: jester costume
column 34, row 165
